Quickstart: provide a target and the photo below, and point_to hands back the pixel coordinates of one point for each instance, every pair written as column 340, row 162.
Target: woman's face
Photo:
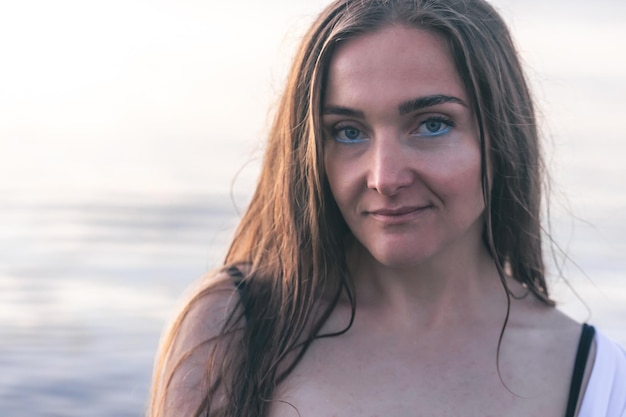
column 401, row 148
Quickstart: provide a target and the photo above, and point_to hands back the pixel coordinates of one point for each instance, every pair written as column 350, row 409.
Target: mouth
column 398, row 215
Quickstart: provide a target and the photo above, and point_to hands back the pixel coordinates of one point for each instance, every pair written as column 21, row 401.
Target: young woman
column 390, row 261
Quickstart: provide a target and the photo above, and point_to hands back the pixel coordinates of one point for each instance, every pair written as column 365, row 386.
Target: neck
column 459, row 287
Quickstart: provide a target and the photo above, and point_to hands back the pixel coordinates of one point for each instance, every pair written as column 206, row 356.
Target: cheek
column 341, row 177
column 339, row 187
column 331, row 173
column 461, row 176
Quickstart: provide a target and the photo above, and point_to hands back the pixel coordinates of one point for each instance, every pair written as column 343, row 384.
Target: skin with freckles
column 405, row 176
column 402, row 158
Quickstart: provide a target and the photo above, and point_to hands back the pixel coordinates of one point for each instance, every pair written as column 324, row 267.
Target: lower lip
column 400, row 218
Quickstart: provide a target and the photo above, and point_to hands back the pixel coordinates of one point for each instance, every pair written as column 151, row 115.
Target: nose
column 390, row 168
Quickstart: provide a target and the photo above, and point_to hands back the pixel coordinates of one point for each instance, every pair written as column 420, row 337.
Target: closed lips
column 397, row 212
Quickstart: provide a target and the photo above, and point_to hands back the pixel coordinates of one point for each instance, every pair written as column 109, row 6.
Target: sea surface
column 85, row 290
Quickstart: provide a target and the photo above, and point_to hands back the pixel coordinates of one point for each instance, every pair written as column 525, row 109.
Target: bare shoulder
column 181, row 370
column 547, row 331
column 560, row 335
column 530, row 312
column 206, row 311
column 540, row 345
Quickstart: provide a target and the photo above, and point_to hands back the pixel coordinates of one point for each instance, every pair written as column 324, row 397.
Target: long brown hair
column 290, row 241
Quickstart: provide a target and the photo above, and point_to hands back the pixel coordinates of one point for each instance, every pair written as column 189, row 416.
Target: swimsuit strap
column 584, row 345
column 236, row 274
column 240, row 284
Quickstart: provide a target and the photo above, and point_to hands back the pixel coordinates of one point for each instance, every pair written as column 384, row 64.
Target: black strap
column 236, row 273
column 584, row 345
column 240, row 284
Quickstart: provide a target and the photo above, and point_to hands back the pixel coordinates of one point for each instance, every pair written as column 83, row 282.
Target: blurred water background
column 130, row 135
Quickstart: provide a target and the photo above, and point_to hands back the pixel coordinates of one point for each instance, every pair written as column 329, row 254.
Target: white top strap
column 605, row 395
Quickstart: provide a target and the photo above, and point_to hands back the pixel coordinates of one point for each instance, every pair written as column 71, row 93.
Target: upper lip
column 396, row 211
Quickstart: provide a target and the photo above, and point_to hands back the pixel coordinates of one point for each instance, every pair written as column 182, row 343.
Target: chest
column 346, row 378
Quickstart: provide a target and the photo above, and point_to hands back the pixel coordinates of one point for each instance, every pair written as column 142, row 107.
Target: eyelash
column 342, row 127
column 439, row 119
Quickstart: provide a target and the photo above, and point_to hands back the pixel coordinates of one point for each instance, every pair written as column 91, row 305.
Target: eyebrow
column 343, row 111
column 404, row 108
column 427, row 101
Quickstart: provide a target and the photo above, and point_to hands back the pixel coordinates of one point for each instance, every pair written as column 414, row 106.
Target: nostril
column 390, row 180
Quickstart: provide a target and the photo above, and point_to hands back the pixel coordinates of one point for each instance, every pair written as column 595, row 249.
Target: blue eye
column 349, row 134
column 434, row 127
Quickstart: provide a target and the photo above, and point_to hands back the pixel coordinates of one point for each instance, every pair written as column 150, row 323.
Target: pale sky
column 173, row 96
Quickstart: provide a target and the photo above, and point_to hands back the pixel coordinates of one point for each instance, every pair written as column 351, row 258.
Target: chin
column 395, row 259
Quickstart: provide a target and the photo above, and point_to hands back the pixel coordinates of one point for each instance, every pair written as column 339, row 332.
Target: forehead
column 394, row 63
